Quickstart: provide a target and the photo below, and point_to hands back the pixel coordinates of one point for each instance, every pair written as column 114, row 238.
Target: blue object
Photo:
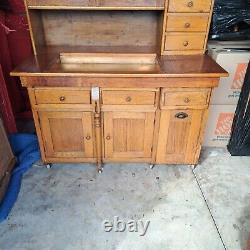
column 25, row 148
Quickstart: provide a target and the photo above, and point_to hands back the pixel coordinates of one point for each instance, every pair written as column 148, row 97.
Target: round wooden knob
column 187, row 100
column 185, row 43
column 187, row 25
column 62, row 98
column 190, row 4
column 108, row 137
column 88, row 137
column 128, row 99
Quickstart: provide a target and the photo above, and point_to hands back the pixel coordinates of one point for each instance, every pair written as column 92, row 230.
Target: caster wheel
column 151, row 166
column 193, row 166
column 100, row 170
column 48, row 166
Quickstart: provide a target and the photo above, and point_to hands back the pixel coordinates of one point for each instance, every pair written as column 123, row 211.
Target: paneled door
column 179, row 135
column 128, row 135
column 67, row 134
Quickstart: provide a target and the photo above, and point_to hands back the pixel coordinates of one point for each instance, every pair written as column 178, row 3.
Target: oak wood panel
column 95, row 28
column 119, row 82
column 197, row 66
column 128, row 97
column 96, row 4
column 128, row 134
column 187, row 23
column 184, row 41
column 59, row 3
column 67, row 134
column 189, row 6
column 185, row 97
column 63, row 96
column 178, row 138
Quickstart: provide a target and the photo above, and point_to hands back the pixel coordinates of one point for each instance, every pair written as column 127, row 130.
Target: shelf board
column 37, row 7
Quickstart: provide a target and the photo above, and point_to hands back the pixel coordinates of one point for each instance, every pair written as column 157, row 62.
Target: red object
column 17, row 6
column 5, row 106
column 15, row 47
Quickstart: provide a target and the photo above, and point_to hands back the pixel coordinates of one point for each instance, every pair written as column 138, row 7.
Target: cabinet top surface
column 142, row 64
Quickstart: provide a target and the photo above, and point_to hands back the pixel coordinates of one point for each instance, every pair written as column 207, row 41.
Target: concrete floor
column 64, row 207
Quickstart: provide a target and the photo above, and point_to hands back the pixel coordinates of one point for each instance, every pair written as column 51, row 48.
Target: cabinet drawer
column 185, row 98
column 184, row 41
column 128, row 97
column 189, row 5
column 186, row 23
column 53, row 96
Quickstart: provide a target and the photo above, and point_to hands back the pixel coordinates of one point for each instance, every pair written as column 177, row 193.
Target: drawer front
column 176, row 41
column 186, row 23
column 189, row 6
column 62, row 96
column 128, row 97
column 185, row 98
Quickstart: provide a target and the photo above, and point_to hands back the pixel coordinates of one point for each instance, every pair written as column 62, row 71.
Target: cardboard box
column 233, row 57
column 218, row 129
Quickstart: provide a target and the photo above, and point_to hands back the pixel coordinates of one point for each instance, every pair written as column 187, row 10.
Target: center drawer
column 182, row 97
column 128, row 97
column 62, row 96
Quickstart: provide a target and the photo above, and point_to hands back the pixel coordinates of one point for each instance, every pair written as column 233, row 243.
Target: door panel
column 128, row 134
column 67, row 134
column 179, row 136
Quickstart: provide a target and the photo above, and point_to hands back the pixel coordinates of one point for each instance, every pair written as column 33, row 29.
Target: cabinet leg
column 193, row 166
column 151, row 166
column 99, row 168
column 48, row 165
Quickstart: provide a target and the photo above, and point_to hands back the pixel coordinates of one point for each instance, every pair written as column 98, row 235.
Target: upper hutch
column 120, row 80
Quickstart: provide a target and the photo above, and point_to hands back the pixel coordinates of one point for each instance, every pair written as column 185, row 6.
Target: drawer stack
column 186, row 26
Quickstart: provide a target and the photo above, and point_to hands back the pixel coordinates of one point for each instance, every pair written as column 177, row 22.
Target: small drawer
column 186, row 6
column 185, row 98
column 187, row 23
column 128, row 97
column 184, row 41
column 56, row 96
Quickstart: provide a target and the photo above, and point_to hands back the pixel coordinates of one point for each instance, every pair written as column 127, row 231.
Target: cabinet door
column 128, row 135
column 179, row 136
column 67, row 134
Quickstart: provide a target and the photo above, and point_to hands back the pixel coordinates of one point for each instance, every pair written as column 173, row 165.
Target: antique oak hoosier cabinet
column 120, row 80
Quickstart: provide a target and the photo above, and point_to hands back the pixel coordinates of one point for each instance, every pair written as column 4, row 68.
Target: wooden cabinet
column 128, row 135
column 67, row 135
column 104, row 85
column 179, row 135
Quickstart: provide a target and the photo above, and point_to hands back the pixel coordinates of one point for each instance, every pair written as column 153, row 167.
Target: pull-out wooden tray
column 109, row 62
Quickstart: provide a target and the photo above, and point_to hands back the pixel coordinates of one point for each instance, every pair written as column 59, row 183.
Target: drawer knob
column 185, row 43
column 187, row 25
column 108, row 137
column 128, row 99
column 190, row 4
column 181, row 115
column 187, row 100
column 62, row 98
column 88, row 137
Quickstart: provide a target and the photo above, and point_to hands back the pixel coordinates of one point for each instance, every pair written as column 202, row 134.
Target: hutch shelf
column 119, row 80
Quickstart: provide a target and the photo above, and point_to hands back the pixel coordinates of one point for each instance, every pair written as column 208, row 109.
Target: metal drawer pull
column 187, row 25
column 190, row 4
column 185, row 43
column 62, row 98
column 128, row 99
column 108, row 137
column 181, row 115
column 88, row 137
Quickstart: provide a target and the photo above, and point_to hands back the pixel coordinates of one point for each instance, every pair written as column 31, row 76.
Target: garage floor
column 65, row 207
